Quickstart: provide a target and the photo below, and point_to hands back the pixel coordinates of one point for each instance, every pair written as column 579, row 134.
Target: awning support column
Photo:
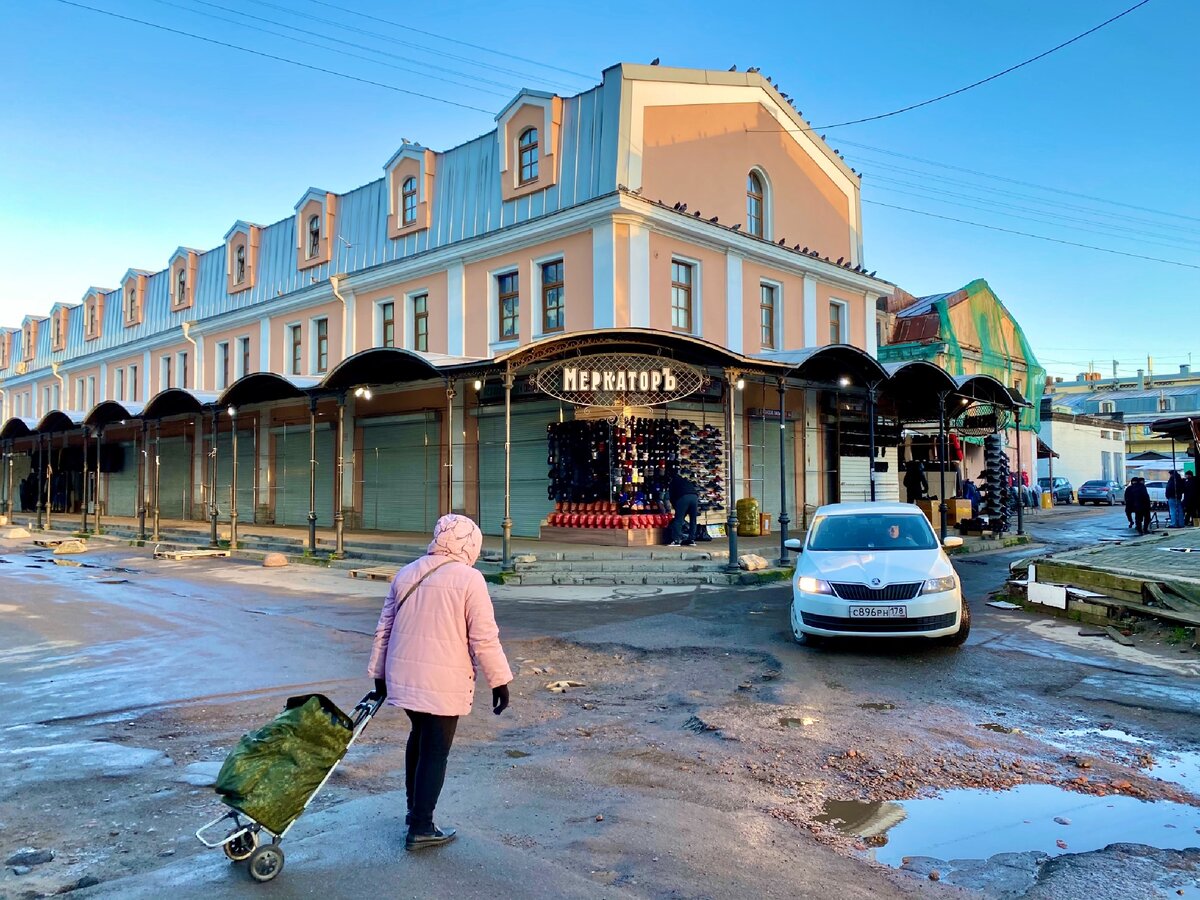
column 784, row 518
column 96, row 483
column 83, row 527
column 942, row 465
column 212, row 484
column 450, row 394
column 142, row 476
column 157, row 437
column 339, row 520
column 1020, row 481
column 312, row 474
column 8, row 481
column 871, row 413
column 506, row 524
column 43, row 486
column 730, row 485
column 233, row 485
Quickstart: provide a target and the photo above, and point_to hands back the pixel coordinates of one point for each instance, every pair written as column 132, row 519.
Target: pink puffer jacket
column 429, row 649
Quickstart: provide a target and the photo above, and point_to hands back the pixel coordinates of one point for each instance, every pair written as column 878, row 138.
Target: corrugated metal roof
column 923, row 305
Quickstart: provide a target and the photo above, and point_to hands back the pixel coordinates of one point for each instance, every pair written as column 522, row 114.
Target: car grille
column 853, row 590
column 921, row 623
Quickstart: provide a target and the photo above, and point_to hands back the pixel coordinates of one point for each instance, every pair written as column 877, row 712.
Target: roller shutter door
column 246, row 466
column 21, row 467
column 292, row 474
column 123, row 484
column 765, row 466
column 174, row 477
column 529, row 503
column 401, row 472
column 855, row 479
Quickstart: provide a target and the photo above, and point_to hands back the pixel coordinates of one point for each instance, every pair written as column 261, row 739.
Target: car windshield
column 871, row 531
column 1044, row 482
column 1095, row 484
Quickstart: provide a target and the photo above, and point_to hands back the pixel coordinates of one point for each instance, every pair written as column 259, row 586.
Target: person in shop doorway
column 685, row 501
column 1191, row 499
column 1141, row 505
column 1175, row 499
column 436, row 629
column 916, row 486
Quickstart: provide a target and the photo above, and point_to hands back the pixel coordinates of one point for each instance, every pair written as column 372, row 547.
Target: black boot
column 435, row 837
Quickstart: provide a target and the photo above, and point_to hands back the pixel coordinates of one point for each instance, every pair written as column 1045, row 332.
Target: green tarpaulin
column 272, row 772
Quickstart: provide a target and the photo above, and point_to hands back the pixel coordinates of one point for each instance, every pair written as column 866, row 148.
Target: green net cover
column 271, row 773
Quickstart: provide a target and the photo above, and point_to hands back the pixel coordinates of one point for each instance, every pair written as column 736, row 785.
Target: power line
column 984, row 81
column 282, row 59
column 461, row 43
column 288, row 37
column 1040, row 237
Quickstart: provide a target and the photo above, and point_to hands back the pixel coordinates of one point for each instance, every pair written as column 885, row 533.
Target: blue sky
column 121, row 142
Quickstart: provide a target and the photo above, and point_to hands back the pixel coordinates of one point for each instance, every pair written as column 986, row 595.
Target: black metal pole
column 233, row 485
column 212, row 484
column 506, row 524
column 339, row 520
column 871, row 438
column 96, row 486
column 450, row 394
column 157, row 438
column 730, row 488
column 312, row 474
column 8, row 479
column 83, row 527
column 43, row 478
column 142, row 477
column 784, row 518
column 942, row 465
column 1020, row 483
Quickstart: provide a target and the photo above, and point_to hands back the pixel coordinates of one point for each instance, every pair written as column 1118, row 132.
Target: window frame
column 533, row 149
column 775, row 291
column 119, row 387
column 239, row 264
column 133, row 382
column 223, row 368
column 419, row 318
column 408, row 213
column 843, row 324
column 181, row 280
column 544, row 288
column 498, row 279
column 295, row 334
column 756, row 199
column 385, row 319
column 242, row 369
column 164, row 372
column 319, row 335
column 313, row 247
column 181, row 368
column 692, row 267
column 130, row 297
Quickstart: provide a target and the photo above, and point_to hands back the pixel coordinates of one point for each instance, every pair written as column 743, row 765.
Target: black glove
column 381, row 689
column 500, row 699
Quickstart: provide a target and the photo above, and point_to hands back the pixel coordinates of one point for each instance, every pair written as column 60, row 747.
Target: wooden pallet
column 178, row 555
column 375, row 573
column 605, row 537
column 47, row 542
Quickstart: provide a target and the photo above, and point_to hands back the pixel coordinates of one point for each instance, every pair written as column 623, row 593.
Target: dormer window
column 181, row 287
column 408, row 201
column 527, row 148
column 182, row 268
column 241, row 255
column 314, row 235
column 56, row 334
column 131, row 304
column 239, row 265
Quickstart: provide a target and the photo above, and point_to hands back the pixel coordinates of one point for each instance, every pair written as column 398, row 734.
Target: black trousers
column 1142, row 520
column 425, row 764
column 688, row 508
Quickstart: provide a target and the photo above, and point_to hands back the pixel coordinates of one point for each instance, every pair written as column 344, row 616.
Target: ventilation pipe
column 198, row 368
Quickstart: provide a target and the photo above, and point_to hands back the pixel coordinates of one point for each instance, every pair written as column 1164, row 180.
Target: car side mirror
column 952, row 542
column 794, row 544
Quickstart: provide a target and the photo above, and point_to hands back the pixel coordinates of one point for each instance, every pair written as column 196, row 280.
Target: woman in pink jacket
column 436, row 629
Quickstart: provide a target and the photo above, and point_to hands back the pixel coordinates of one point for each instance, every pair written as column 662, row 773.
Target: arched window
column 239, row 265
column 755, row 205
column 527, row 145
column 408, row 201
column 181, row 286
column 314, row 236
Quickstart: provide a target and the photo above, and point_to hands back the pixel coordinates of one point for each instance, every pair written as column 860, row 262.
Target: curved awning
column 266, row 387
column 988, row 389
column 913, row 388
column 1177, row 427
column 379, row 366
column 60, row 420
column 16, row 427
column 843, row 365
column 178, row 402
column 683, row 347
column 108, row 411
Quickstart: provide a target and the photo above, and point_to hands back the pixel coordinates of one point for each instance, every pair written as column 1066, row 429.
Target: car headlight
column 814, row 585
column 938, row 585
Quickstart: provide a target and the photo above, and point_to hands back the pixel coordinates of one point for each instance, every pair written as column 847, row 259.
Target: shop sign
column 618, row 380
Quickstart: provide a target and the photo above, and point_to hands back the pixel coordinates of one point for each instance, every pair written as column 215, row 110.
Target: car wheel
column 964, row 628
column 803, row 638
column 1111, row 501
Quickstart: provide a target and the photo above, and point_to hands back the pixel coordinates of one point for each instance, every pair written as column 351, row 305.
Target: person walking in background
column 1141, row 505
column 1175, row 499
column 436, row 629
column 1130, row 500
column 685, row 501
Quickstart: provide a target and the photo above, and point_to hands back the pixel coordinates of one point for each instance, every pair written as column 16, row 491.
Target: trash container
column 1047, row 500
column 747, row 517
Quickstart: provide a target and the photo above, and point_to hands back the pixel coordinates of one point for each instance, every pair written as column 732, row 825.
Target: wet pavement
column 704, row 756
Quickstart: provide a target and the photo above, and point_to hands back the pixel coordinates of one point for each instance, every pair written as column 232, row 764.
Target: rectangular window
column 182, row 368
column 91, row 392
column 321, row 340
column 836, row 324
column 120, row 392
column 243, row 357
column 387, row 324
column 420, row 305
column 79, row 393
column 133, row 383
column 297, row 349
column 766, row 315
column 553, row 315
column 681, row 295
column 222, row 365
column 164, row 373
column 508, row 286
column 91, row 319
column 46, row 404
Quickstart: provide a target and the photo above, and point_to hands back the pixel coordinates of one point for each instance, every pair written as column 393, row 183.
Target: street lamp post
column 312, row 474
column 784, row 518
column 233, row 486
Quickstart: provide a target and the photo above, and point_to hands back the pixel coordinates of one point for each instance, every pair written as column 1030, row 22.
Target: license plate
column 879, row 612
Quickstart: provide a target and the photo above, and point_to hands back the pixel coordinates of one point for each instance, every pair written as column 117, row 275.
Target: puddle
column 515, row 754
column 68, row 562
column 977, row 824
column 793, row 722
column 1000, row 729
column 883, row 707
column 1182, row 768
column 1108, row 734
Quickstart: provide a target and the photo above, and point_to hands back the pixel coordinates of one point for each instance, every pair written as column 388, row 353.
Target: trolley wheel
column 241, row 846
column 266, row 862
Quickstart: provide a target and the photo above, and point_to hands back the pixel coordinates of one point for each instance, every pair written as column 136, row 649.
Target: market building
column 532, row 324
column 1088, row 448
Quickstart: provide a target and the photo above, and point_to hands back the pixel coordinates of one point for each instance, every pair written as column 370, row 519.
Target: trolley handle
column 366, row 709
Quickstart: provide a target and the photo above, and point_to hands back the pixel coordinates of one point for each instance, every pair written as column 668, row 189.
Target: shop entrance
column 292, row 474
column 122, row 480
column 529, row 500
column 401, row 473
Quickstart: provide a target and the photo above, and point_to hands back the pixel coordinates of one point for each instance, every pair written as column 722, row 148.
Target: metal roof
column 924, row 305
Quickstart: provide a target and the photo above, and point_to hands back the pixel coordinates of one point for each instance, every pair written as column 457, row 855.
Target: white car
column 877, row 570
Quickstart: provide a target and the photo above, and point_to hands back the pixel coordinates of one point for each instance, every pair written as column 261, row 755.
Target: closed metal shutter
column 123, row 485
column 765, row 466
column 174, row 477
column 246, row 466
column 401, row 475
column 22, row 465
column 856, row 484
column 529, row 502
column 292, row 474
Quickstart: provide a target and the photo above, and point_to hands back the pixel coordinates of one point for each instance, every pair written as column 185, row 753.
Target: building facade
column 1089, row 448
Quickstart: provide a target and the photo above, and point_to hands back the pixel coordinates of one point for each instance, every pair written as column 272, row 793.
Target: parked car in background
column 1101, row 492
column 1158, row 493
column 1062, row 491
column 877, row 570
